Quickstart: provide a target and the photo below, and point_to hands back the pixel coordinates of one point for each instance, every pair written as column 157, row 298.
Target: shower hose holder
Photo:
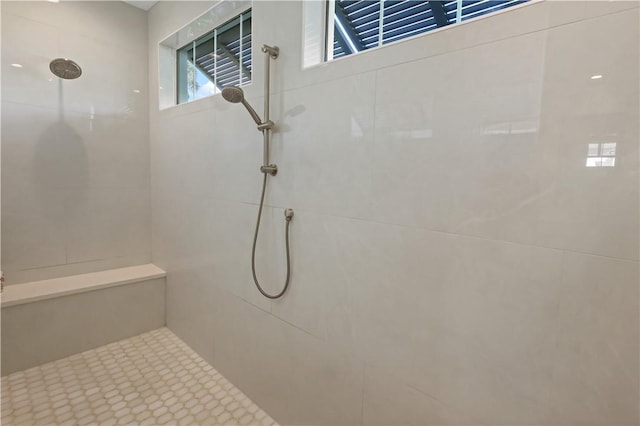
column 268, row 125
column 271, row 169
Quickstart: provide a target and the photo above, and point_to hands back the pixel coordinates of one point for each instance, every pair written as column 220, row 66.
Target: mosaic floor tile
column 150, row 379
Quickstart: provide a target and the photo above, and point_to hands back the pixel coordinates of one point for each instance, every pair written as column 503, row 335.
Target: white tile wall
column 596, row 370
column 311, row 382
column 454, row 261
column 75, row 162
column 578, row 111
column 325, row 140
column 387, row 401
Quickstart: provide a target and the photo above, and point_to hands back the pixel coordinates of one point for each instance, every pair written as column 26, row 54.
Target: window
column 355, row 26
column 218, row 59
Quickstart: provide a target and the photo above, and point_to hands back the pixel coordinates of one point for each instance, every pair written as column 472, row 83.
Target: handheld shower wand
column 236, row 95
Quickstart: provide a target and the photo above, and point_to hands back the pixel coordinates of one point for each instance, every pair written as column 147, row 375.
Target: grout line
column 415, row 227
column 74, row 112
column 280, row 319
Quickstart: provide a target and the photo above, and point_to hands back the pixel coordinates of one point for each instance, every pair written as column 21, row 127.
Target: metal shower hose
column 255, row 240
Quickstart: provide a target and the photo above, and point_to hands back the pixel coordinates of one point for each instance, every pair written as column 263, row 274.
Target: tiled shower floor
column 150, row 379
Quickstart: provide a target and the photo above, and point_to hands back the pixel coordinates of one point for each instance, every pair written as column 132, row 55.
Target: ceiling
column 144, row 5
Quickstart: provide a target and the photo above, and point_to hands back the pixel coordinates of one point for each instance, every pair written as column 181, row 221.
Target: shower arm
column 265, row 128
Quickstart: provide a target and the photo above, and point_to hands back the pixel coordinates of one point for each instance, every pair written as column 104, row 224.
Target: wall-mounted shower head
column 65, row 68
column 236, row 95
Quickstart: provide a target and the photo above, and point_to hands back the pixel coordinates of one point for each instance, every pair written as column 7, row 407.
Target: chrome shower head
column 65, row 68
column 236, row 95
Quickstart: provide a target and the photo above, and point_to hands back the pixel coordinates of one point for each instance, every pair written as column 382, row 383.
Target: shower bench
column 47, row 320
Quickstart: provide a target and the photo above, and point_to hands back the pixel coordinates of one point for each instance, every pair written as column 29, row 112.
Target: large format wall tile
column 208, row 253
column 190, row 301
column 179, row 247
column 31, row 44
column 439, row 185
column 314, row 300
column 107, row 223
column 323, row 147
column 458, row 151
column 562, row 12
column 201, row 153
column 299, row 378
column 592, row 209
column 180, row 154
column 387, row 401
column 42, row 150
column 471, row 322
column 499, row 149
column 236, row 153
column 117, row 23
column 61, row 227
column 75, row 164
column 595, row 378
column 211, row 252
column 33, row 229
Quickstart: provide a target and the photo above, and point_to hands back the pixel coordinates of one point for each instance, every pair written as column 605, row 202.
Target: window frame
column 183, row 62
column 325, row 54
